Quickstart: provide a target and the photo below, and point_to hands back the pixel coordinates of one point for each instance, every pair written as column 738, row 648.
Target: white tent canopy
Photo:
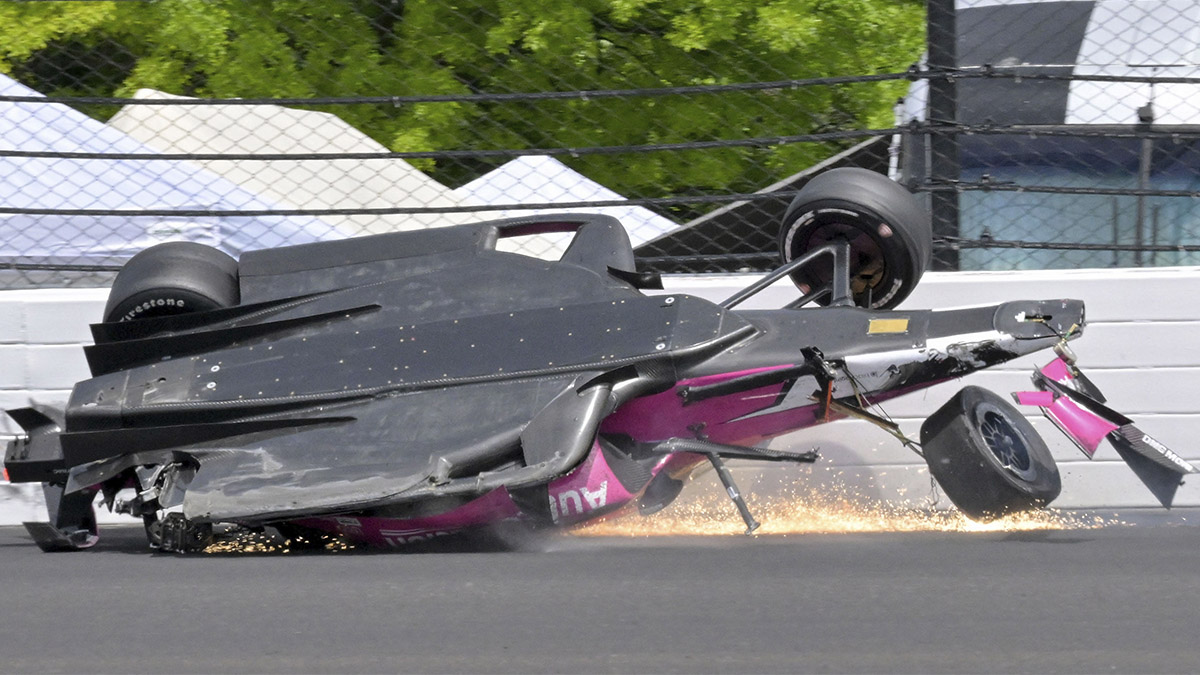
column 299, row 183
column 538, row 179
column 385, row 182
column 116, row 184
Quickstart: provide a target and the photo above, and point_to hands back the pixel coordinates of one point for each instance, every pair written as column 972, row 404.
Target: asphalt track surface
column 1116, row 599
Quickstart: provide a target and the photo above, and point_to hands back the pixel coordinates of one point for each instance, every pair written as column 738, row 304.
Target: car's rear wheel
column 176, row 277
column 987, row 458
column 888, row 230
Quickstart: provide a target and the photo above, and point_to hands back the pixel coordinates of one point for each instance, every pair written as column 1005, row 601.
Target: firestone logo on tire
column 150, row 304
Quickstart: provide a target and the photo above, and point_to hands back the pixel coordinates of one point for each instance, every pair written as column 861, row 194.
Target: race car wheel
column 987, row 457
column 177, row 534
column 153, row 527
column 177, row 277
column 888, row 230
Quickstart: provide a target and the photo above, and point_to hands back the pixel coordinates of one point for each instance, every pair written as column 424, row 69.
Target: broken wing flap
column 72, row 524
column 36, row 457
column 1076, row 406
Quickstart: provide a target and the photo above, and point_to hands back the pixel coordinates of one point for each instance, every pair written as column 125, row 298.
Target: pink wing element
column 1085, row 428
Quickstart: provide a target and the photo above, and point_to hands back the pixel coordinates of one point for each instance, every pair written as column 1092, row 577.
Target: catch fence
column 1040, row 134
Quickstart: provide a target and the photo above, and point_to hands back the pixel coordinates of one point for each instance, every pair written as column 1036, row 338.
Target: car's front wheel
column 987, row 458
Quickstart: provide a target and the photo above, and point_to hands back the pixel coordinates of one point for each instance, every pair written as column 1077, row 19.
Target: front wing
column 1075, row 405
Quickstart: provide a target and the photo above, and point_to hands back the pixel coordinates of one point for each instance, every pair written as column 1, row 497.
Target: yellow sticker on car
column 883, row 326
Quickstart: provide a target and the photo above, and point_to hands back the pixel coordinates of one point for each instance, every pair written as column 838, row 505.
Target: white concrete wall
column 1141, row 347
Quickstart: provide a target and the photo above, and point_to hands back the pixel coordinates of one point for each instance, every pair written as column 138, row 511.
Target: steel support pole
column 944, row 167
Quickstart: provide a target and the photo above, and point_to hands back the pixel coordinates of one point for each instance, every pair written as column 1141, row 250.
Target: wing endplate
column 1075, row 405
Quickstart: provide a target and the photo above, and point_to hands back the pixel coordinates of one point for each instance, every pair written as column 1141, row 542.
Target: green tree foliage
column 301, row 48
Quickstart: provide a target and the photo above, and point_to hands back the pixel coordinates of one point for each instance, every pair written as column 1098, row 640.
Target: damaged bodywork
column 401, row 386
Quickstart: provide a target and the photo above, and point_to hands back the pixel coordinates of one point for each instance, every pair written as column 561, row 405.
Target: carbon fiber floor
column 1117, row 599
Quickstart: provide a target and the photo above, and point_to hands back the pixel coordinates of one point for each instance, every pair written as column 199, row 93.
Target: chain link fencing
column 1041, row 134
column 1060, row 134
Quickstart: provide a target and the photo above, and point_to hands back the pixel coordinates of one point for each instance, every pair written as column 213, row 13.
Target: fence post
column 1145, row 120
column 941, row 41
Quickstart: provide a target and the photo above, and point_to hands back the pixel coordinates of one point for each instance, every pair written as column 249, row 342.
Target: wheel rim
column 1005, row 443
column 869, row 270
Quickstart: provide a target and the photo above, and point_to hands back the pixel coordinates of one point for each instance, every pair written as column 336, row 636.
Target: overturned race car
column 395, row 387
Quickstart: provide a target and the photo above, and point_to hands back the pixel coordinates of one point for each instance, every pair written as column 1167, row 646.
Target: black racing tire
column 987, row 458
column 178, row 277
column 889, row 232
